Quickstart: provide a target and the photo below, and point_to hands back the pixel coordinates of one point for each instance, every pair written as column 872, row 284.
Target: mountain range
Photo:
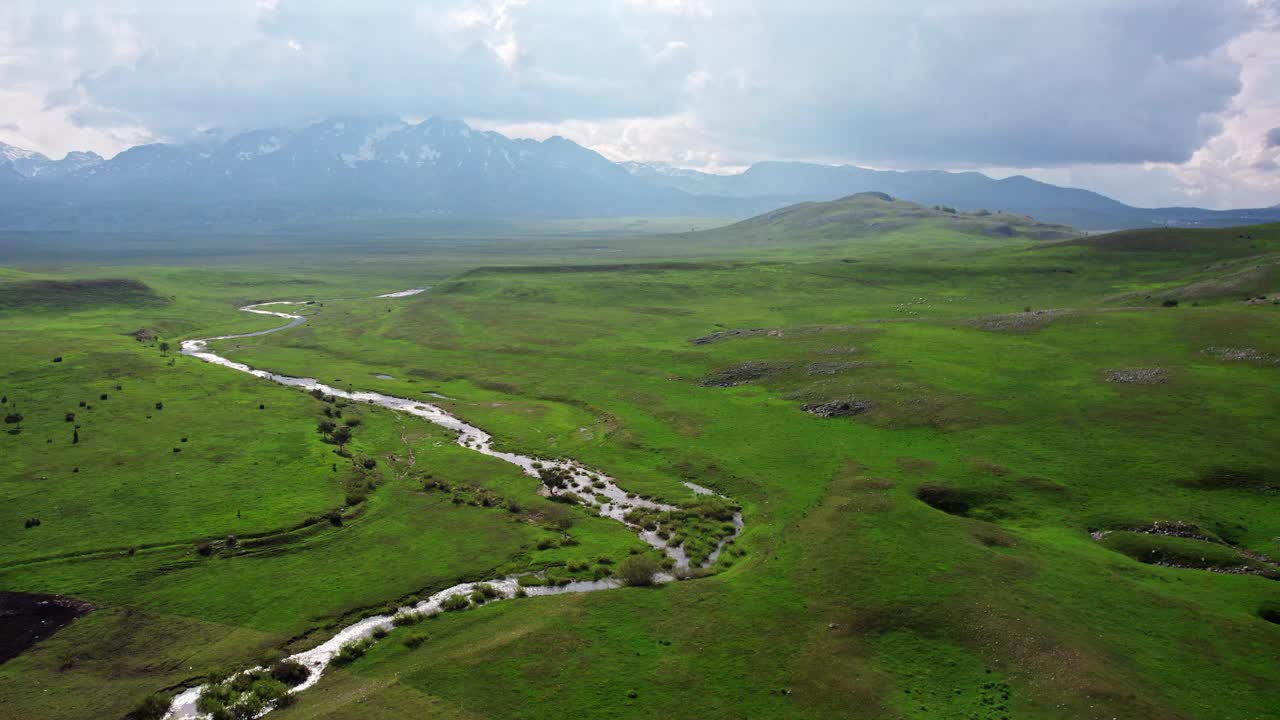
column 353, row 168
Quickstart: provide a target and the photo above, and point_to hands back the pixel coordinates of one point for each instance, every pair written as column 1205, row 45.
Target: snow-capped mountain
column 346, row 167
column 32, row 164
column 358, row 167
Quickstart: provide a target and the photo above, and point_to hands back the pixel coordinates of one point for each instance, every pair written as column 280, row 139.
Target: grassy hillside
column 982, row 476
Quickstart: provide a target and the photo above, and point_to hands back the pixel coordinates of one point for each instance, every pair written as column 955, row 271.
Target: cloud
column 912, row 84
column 1273, row 137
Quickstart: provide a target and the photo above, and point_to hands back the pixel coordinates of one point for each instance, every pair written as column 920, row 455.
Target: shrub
column 1169, row 303
column 415, row 640
column 369, row 463
column 477, row 597
column 70, row 417
column 159, row 406
column 12, row 418
column 380, row 632
column 232, row 541
column 351, row 652
column 637, row 570
column 455, row 602
column 289, row 672
column 352, row 422
column 204, row 549
column 405, row 619
column 488, row 591
column 154, row 707
column 31, row 522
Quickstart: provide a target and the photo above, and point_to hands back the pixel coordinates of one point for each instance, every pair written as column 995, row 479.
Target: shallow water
column 618, row 505
column 405, row 293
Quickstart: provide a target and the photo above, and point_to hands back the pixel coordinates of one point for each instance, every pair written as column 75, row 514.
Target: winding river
column 584, row 483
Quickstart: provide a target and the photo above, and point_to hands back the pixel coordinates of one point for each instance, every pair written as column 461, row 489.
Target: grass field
column 1056, row 495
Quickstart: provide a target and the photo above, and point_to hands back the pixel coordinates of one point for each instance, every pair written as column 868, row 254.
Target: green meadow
column 987, row 468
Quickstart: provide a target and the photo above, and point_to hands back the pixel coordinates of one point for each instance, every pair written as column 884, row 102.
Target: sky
column 1154, row 102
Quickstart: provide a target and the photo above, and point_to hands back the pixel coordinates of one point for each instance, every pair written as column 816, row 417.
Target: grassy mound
column 1185, row 552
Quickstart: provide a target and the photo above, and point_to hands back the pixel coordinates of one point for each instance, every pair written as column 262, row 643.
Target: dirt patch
column 831, row 368
column 839, row 408
column 719, row 335
column 916, row 465
column 28, row 618
column 988, row 467
column 737, row 334
column 1042, row 484
column 1020, row 322
column 962, row 502
column 743, row 373
column 142, row 335
column 1243, row 355
column 947, row 499
column 1138, row 376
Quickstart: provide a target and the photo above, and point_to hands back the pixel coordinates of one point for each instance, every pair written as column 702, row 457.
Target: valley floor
column 980, row 477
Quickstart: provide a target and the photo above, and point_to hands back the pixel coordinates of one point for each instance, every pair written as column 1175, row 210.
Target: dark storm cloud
column 916, row 82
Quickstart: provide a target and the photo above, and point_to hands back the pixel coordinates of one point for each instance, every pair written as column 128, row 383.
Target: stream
column 583, row 482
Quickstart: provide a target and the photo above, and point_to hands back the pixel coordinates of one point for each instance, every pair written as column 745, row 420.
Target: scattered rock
column 831, row 368
column 838, row 408
column 1138, row 376
column 743, row 373
column 1243, row 355
column 1023, row 321
column 719, row 335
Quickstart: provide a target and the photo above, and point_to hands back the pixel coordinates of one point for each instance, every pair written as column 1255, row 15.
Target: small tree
column 326, row 427
column 554, row 477
column 164, row 348
column 342, row 436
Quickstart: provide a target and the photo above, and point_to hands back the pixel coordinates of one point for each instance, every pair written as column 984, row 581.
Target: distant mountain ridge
column 359, row 167
column 798, row 182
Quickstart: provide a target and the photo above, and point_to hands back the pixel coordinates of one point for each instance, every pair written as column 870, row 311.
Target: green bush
column 637, row 570
column 415, row 640
column 352, row 651
column 289, row 672
column 154, row 707
column 455, row 602
column 405, row 619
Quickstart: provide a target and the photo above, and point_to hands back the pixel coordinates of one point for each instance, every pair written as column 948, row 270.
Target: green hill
column 873, row 213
